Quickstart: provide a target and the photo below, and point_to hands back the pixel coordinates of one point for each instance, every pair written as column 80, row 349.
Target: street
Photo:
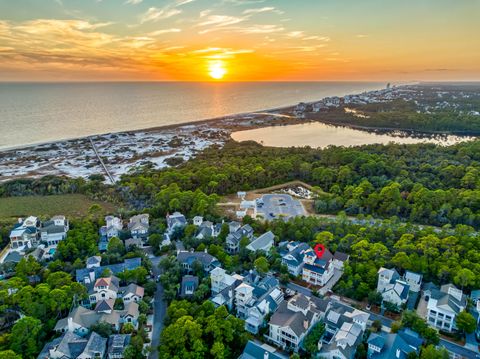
column 159, row 310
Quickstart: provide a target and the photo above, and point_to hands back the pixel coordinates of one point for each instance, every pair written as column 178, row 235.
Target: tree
column 261, row 265
column 431, row 352
column 465, row 277
column 311, row 340
column 128, row 328
column 25, row 337
column 466, row 322
column 9, row 354
column 102, row 329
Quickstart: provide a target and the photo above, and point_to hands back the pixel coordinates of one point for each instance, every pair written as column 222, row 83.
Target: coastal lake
column 320, row 135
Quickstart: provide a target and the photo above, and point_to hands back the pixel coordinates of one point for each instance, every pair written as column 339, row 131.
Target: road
column 159, row 310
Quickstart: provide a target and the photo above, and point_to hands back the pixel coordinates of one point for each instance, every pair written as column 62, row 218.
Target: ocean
column 32, row 113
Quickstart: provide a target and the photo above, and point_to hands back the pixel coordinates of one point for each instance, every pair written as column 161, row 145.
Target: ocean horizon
column 38, row 112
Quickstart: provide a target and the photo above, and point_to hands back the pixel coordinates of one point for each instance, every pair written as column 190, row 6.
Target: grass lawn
column 70, row 205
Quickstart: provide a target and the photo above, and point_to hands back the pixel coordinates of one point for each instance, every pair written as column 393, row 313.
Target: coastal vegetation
column 71, row 205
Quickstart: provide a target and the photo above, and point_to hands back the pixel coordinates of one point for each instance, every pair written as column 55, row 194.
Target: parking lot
column 274, row 206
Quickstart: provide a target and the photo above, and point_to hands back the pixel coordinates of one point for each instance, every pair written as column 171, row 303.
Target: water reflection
column 320, row 135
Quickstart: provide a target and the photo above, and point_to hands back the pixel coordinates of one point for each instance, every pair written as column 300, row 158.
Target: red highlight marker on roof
column 319, row 250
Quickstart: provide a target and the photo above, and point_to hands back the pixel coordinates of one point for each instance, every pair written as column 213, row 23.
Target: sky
column 239, row 40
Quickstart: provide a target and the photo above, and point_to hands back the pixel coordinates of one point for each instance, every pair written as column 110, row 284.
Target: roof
column 261, row 242
column 96, row 344
column 117, row 343
column 414, row 277
column 128, row 264
column 404, row 342
column 105, row 305
column 189, row 257
column 134, row 289
column 71, row 345
column 188, row 280
column 13, row 257
column 112, row 283
column 256, row 350
column 94, row 260
column 340, row 256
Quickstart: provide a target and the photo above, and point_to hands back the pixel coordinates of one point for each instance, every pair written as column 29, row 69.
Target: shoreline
column 214, row 120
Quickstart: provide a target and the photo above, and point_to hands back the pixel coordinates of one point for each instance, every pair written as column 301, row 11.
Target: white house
column 132, row 293
column 54, row 230
column 414, row 281
column 138, row 226
column 317, row 271
column 24, row 234
column 104, row 289
column 444, row 305
column 392, row 288
column 344, row 328
column 237, row 233
column 293, row 320
column 112, row 227
column 293, row 259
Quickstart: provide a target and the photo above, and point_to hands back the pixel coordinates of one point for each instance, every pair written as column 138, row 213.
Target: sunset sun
column 216, row 70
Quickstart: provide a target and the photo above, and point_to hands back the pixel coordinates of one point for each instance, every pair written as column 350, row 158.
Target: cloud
column 183, row 2
column 133, row 2
column 221, row 20
column 163, row 31
column 261, row 29
column 155, row 14
column 263, row 9
column 219, row 53
column 361, row 36
column 295, row 34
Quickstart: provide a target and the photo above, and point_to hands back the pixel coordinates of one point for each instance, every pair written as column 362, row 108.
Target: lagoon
column 320, row 135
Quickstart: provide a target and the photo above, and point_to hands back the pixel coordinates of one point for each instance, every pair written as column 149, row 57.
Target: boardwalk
column 110, row 177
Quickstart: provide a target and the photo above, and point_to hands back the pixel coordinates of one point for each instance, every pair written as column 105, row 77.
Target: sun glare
column 217, row 70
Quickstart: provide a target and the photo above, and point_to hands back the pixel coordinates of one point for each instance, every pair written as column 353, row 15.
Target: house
column 133, row 242
column 132, row 293
column 54, row 230
column 344, row 328
column 317, row 271
column 116, row 345
column 391, row 286
column 339, row 258
column 293, row 320
column 475, row 297
column 393, row 345
column 264, row 300
column 188, row 286
column 138, row 226
column 257, row 350
column 81, row 319
column 263, row 243
column 443, row 306
column 104, row 289
column 90, row 274
column 25, row 234
column 174, row 222
column 293, row 259
column 94, row 262
column 223, row 286
column 414, row 281
column 71, row 346
column 237, row 233
column 207, row 230
column 112, row 228
column 187, row 259
column 197, row 220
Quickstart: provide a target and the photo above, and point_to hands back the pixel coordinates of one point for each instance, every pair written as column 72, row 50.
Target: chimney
column 265, row 355
column 305, row 324
column 70, row 324
column 20, row 220
column 397, row 354
column 205, row 250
